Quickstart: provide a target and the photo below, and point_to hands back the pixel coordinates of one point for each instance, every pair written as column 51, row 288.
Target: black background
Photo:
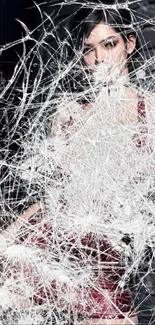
column 25, row 11
column 12, row 30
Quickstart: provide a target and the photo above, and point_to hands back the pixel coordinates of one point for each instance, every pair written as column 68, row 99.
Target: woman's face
column 104, row 45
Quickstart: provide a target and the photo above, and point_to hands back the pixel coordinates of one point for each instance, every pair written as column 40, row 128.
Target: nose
column 99, row 55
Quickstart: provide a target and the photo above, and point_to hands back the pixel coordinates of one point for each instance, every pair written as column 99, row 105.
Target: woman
column 105, row 37
column 108, row 43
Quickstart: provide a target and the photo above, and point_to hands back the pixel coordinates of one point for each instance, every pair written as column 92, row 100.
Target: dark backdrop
column 11, row 30
column 25, row 11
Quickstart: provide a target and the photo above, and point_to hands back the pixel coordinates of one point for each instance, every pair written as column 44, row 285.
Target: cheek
column 118, row 55
column 122, row 51
column 123, row 56
column 89, row 59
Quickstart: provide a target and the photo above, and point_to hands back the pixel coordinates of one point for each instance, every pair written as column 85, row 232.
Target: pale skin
column 123, row 321
column 103, row 44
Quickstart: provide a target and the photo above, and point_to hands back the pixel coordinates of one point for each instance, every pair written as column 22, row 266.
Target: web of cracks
column 69, row 142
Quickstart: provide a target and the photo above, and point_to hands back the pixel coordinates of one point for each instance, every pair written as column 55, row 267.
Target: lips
column 106, row 72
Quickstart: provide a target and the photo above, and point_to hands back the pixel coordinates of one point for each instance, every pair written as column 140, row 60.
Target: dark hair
column 120, row 20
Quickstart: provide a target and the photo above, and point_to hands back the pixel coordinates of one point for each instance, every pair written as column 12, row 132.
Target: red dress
column 103, row 296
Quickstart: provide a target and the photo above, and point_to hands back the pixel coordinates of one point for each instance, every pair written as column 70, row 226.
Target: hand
column 10, row 232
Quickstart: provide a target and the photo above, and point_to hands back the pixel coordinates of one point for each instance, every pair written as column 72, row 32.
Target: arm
column 10, row 232
column 125, row 321
column 10, row 274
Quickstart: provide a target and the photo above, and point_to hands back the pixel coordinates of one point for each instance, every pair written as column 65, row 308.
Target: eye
column 110, row 44
column 88, row 50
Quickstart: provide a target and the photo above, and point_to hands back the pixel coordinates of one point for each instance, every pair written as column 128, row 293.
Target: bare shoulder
column 150, row 100
column 132, row 97
column 128, row 109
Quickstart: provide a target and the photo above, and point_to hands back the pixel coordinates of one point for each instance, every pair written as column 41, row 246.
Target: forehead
column 100, row 32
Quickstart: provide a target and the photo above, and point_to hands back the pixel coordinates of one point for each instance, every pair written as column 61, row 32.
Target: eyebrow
column 102, row 41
